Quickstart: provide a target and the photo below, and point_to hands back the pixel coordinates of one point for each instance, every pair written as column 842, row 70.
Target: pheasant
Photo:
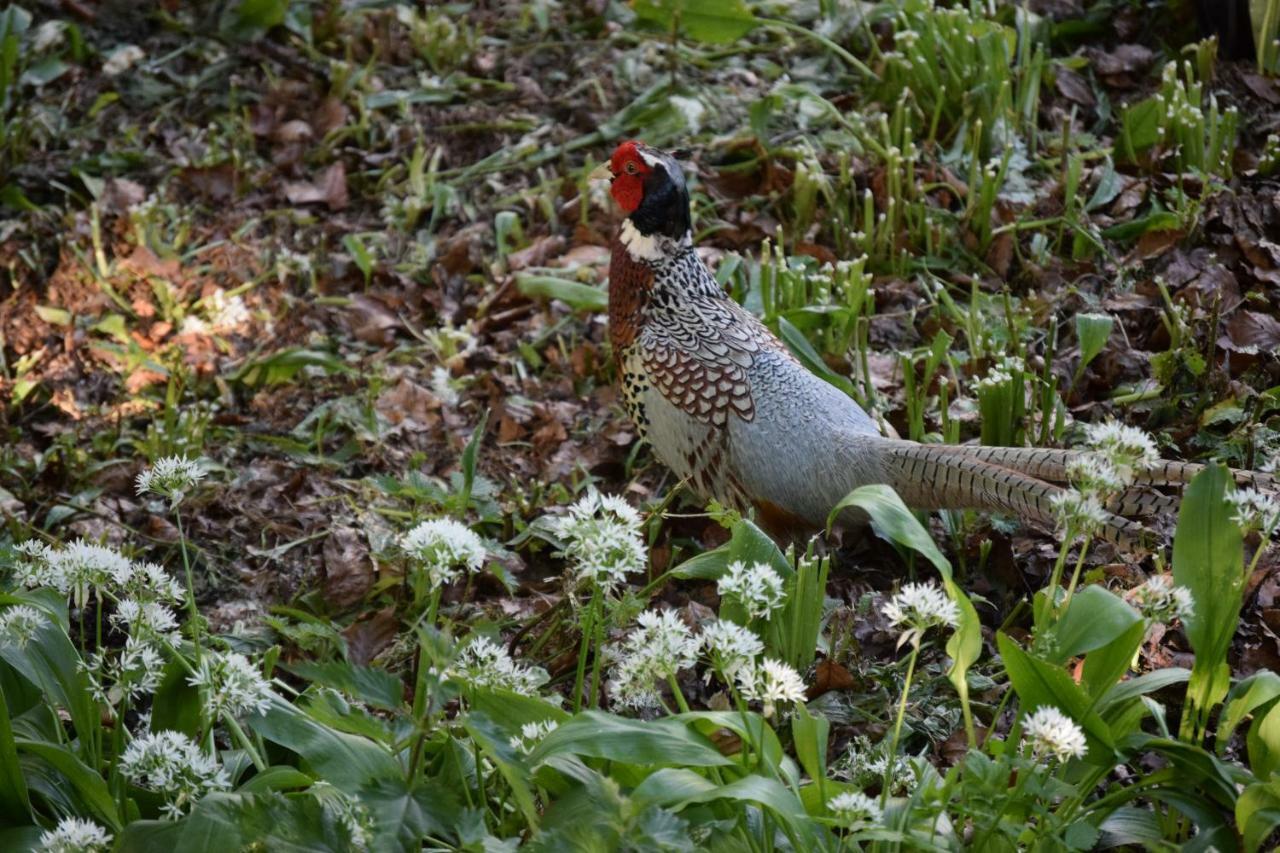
column 726, row 406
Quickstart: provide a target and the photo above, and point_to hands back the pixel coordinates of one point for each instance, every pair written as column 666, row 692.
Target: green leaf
column 1092, row 331
column 810, row 736
column 279, row 778
column 1148, row 682
column 87, row 782
column 580, row 297
column 1040, row 683
column 710, row 21
column 404, row 815
column 1098, row 622
column 1160, row 220
column 347, row 761
column 283, row 365
column 749, row 544
column 1263, row 741
column 15, row 807
column 707, row 566
column 378, row 687
column 1245, row 697
column 1258, row 813
column 1140, row 128
column 1208, row 559
column 599, row 735
column 808, row 356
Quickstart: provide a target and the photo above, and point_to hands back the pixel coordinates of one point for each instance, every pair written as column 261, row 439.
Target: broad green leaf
column 283, row 365
column 810, row 736
column 749, row 544
column 710, row 21
column 1263, row 740
column 769, row 793
column 269, row 821
column 751, row 727
column 671, row 785
column 1208, row 559
column 1139, row 128
column 808, row 356
column 1092, row 331
column 88, row 784
column 1160, row 220
column 708, row 566
column 1039, row 683
column 1148, row 682
column 347, row 761
column 404, row 815
column 278, row 778
column 494, row 743
column 15, row 808
column 1258, row 813
column 512, row 710
column 599, row 735
column 1095, row 618
column 378, row 687
column 1245, row 697
column 578, row 296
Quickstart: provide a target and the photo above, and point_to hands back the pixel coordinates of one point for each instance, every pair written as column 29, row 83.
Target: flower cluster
column 602, row 540
column 73, row 835
column 484, row 663
column 231, row 685
column 770, row 683
column 1160, row 601
column 1093, row 474
column 348, row 812
column 440, row 548
column 1052, row 733
column 855, row 810
column 657, row 649
column 171, row 477
column 531, row 734
column 917, row 607
column 146, row 619
column 1256, row 510
column 865, row 763
column 730, row 646
column 171, row 764
column 132, row 672
column 18, row 625
column 1077, row 511
column 78, row 568
column 1128, row 449
column 757, row 587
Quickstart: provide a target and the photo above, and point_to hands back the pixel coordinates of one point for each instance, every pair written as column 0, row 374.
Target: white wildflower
column 129, row 673
column 531, row 734
column 855, row 809
column 230, row 685
column 442, row 546
column 484, row 663
column 1256, row 510
column 769, row 683
column 80, row 567
column 442, row 387
column 1093, row 474
column 121, row 59
column 74, row 835
column 145, row 618
column 35, row 569
column 917, row 607
column 349, row 812
column 1127, row 448
column 19, row 624
column 633, row 683
column 602, row 540
column 1160, row 601
column 657, row 649
column 1052, row 733
column 758, row 588
column 730, row 646
column 149, row 582
column 1078, row 512
column 171, row 764
column 171, row 477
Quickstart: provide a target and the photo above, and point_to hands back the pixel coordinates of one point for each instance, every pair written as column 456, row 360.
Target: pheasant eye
column 630, row 168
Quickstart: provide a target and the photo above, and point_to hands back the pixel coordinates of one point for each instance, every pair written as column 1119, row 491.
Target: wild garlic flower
column 73, row 835
column 171, row 764
column 149, row 582
column 145, row 619
column 602, row 540
column 657, row 649
column 230, row 685
column 1158, row 600
column 1256, row 510
column 531, row 734
column 917, row 607
column 33, row 569
column 1127, row 448
column 128, row 673
column 1077, row 511
column 865, row 764
column 730, row 646
column 757, row 587
column 73, row 570
column 19, row 624
column 440, row 548
column 770, row 682
column 855, row 809
column 1052, row 733
column 484, row 663
column 171, row 477
column 1093, row 474
column 348, row 812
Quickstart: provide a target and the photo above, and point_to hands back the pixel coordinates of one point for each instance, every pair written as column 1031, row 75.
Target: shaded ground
column 300, row 256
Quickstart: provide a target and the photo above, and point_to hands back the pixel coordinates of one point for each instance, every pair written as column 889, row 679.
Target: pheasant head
column 648, row 185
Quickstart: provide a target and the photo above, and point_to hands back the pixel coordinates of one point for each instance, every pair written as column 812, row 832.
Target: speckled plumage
column 726, row 406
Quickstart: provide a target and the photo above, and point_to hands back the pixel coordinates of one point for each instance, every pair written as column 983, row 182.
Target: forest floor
column 322, row 258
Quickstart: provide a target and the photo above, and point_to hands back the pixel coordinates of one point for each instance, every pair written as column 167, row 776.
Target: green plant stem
column 1075, row 575
column 243, row 739
column 853, row 61
column 891, row 762
column 678, row 693
column 596, row 659
column 1051, row 591
column 588, row 630
column 191, row 586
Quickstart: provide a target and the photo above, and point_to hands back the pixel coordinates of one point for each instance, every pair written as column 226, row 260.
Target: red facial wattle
column 629, row 171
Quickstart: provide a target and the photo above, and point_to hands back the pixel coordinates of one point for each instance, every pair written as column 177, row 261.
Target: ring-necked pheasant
column 726, row 406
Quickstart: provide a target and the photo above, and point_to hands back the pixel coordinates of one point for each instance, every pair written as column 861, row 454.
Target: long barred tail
column 1050, row 464
column 936, row 476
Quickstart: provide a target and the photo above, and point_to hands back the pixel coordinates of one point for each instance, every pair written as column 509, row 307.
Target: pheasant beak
column 600, row 173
